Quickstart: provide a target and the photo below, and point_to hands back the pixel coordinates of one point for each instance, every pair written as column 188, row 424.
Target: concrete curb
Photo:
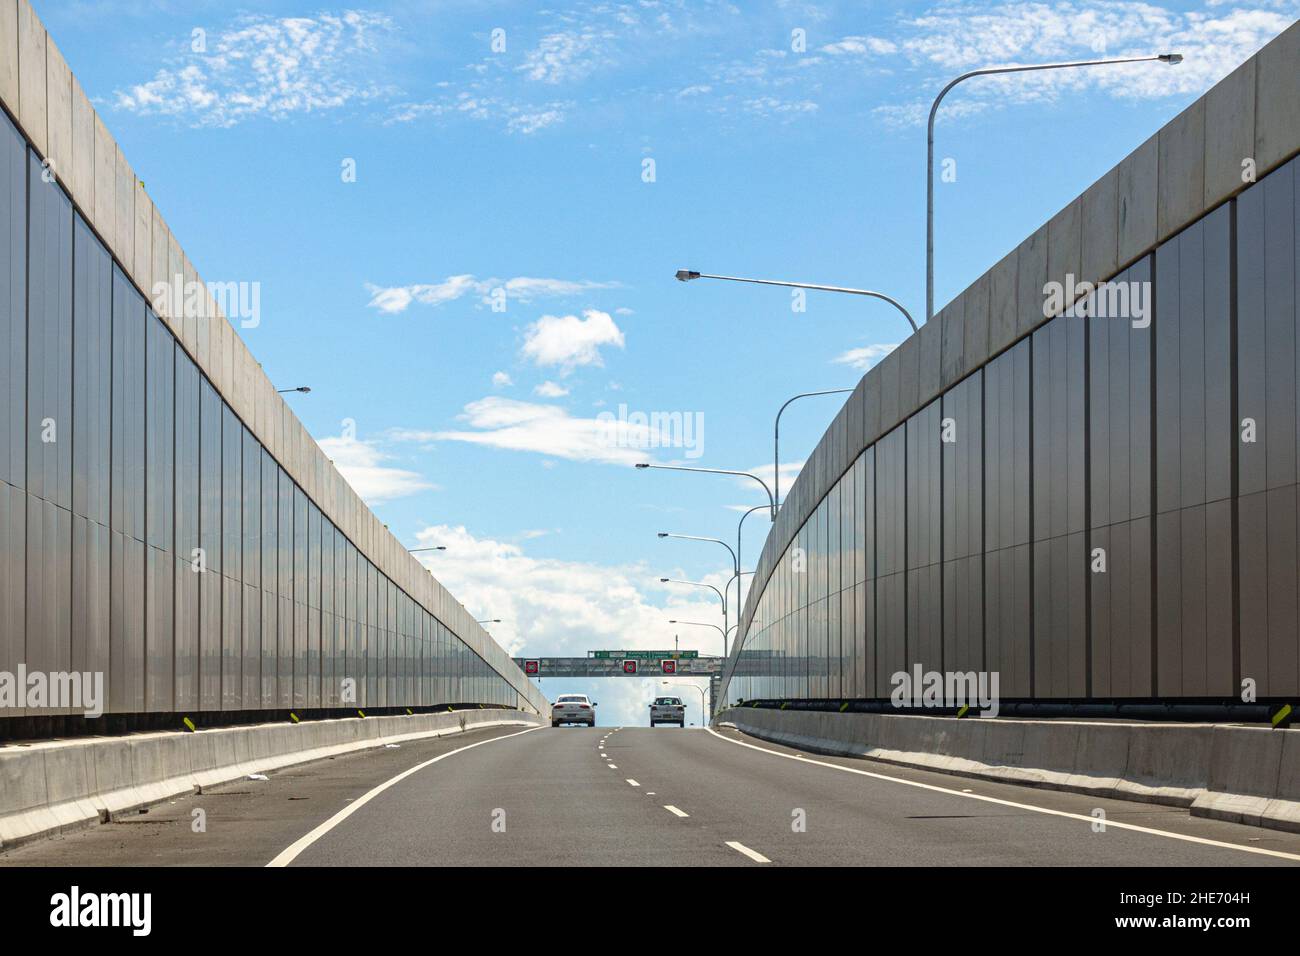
column 54, row 786
column 1229, row 772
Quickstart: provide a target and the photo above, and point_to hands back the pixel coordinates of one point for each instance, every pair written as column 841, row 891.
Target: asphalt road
column 636, row 796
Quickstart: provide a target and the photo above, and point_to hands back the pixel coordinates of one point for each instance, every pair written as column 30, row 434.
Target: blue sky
column 503, row 154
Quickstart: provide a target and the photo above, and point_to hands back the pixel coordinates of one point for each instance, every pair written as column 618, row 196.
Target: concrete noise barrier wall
column 1241, row 774
column 58, row 785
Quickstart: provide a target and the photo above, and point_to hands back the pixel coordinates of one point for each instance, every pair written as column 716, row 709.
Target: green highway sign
column 644, row 655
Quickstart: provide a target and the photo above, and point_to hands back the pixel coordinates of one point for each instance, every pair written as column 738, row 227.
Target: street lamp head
column 686, row 275
column 1171, row 58
column 672, row 622
column 661, row 534
column 642, row 464
column 663, row 580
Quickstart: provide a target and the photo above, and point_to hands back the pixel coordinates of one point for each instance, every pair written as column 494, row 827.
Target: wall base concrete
column 53, row 786
column 1229, row 772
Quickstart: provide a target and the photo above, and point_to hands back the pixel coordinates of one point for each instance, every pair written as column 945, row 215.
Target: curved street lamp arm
column 1170, row 58
column 819, row 288
column 717, row 471
column 776, row 439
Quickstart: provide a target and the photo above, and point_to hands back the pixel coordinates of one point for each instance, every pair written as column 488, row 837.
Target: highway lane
column 637, row 796
column 674, row 797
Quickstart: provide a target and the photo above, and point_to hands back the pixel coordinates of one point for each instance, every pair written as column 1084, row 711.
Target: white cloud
column 501, row 379
column 268, row 66
column 566, row 57
column 861, row 46
column 361, row 463
column 569, row 342
column 775, row 106
column 551, row 390
column 551, row 607
column 392, row 300
column 513, row 425
column 789, row 472
column 955, row 37
column 516, row 115
column 865, row 357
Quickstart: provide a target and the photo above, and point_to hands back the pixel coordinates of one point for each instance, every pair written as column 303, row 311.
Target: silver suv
column 668, row 710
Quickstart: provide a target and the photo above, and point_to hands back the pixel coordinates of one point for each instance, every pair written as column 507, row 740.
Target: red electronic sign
column 629, row 666
column 532, row 667
column 669, row 666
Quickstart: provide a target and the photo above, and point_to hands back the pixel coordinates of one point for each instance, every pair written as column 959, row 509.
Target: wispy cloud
column 954, row 37
column 865, row 357
column 362, row 464
column 394, row 299
column 268, row 66
column 513, row 425
column 568, row 56
column 513, row 113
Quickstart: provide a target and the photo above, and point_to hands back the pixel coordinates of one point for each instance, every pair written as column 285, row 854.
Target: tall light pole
column 714, row 626
column 1170, row 58
column 704, row 708
column 301, row 388
column 686, row 275
column 735, row 560
column 717, row 471
column 440, row 547
column 776, row 435
column 701, row 584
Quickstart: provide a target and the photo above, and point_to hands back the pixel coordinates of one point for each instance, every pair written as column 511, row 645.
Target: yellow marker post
column 188, row 723
column 1282, row 714
column 293, row 717
column 844, row 706
column 964, row 709
column 361, row 713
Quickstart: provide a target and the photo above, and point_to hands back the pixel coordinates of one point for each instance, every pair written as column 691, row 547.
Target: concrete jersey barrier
column 1241, row 774
column 52, row 786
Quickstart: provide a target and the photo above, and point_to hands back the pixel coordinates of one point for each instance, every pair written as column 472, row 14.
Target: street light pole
column 735, row 560
column 716, row 471
column 1170, row 58
column 704, row 708
column 776, row 436
column 686, row 275
column 704, row 624
column 700, row 584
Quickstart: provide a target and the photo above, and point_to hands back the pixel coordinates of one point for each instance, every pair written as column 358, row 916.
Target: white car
column 668, row 710
column 573, row 709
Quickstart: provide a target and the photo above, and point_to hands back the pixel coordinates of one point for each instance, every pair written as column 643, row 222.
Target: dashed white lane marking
column 612, row 766
column 632, row 782
column 288, row 855
column 604, row 755
column 1186, row 838
column 746, row 851
column 672, row 809
column 650, row 793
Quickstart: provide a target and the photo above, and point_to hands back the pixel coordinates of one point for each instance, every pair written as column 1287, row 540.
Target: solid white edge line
column 288, row 855
column 676, row 812
column 752, row 854
column 1019, row 806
